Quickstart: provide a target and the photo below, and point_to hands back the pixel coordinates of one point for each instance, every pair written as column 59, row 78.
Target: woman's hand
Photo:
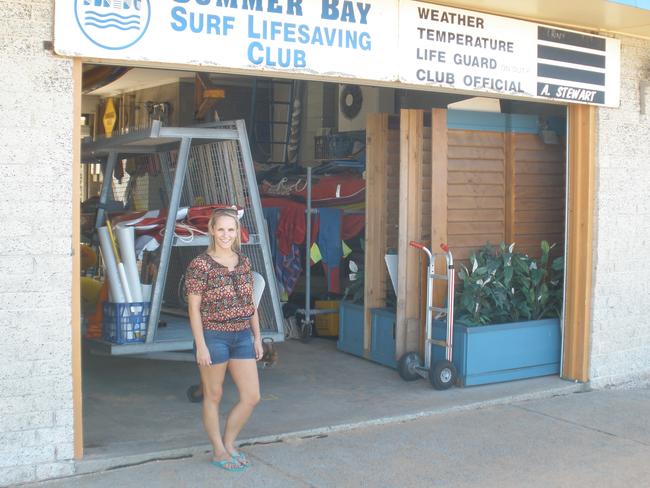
column 259, row 350
column 203, row 355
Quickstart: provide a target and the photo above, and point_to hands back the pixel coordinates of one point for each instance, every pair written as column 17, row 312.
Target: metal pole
column 251, row 116
column 431, row 270
column 307, row 251
column 256, row 206
column 165, row 253
column 106, row 186
column 450, row 305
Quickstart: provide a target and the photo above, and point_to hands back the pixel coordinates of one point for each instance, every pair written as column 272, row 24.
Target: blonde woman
column 226, row 331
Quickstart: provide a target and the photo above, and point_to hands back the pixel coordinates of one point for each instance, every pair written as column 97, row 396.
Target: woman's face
column 224, row 232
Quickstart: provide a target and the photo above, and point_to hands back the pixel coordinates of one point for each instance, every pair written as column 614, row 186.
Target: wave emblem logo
column 113, row 24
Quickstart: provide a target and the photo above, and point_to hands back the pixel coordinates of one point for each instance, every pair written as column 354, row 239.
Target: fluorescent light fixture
column 477, row 104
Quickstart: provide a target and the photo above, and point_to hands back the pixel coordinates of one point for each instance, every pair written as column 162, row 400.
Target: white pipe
column 146, row 293
column 126, row 240
column 125, row 282
column 111, row 266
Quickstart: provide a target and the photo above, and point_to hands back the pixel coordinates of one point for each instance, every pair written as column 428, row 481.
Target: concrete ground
column 136, row 409
column 591, row 439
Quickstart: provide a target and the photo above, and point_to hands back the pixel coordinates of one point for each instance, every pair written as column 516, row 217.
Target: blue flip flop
column 229, row 465
column 241, row 459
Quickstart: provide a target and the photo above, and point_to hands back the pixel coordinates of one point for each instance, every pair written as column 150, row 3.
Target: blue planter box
column 503, row 352
column 382, row 345
column 351, row 328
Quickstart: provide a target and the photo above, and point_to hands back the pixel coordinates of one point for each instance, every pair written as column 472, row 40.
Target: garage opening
column 343, row 177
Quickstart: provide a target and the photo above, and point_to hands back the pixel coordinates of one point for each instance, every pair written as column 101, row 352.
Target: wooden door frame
column 579, row 252
column 578, row 289
column 581, row 160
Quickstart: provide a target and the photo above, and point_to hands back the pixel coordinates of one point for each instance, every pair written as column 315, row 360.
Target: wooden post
column 578, row 264
column 439, row 214
column 410, row 228
column 376, row 211
column 509, row 151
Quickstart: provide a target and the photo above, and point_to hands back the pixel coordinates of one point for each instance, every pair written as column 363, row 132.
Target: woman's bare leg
column 212, row 381
column 244, row 375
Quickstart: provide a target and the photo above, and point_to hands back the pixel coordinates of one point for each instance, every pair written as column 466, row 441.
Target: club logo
column 113, row 24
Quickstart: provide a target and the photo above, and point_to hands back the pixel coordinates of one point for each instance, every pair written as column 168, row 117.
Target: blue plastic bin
column 351, row 328
column 124, row 323
column 382, row 344
column 340, row 145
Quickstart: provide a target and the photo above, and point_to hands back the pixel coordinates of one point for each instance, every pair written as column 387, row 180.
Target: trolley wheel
column 194, row 394
column 442, row 374
column 307, row 333
column 306, row 328
column 407, row 364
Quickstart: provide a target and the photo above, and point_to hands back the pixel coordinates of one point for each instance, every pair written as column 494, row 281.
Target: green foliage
column 504, row 286
column 354, row 292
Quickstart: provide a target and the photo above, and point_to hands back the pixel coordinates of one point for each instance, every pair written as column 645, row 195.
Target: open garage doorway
column 497, row 152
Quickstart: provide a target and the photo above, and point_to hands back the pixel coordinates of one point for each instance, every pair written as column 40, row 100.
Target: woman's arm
column 257, row 335
column 194, row 309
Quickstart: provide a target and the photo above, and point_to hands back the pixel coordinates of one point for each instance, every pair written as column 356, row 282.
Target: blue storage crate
column 382, row 344
column 341, row 145
column 351, row 328
column 124, row 323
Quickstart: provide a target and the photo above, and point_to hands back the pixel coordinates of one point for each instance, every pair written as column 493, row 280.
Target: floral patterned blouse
column 226, row 296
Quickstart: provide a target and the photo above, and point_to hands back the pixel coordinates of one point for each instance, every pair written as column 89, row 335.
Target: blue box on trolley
column 124, row 323
column 350, row 144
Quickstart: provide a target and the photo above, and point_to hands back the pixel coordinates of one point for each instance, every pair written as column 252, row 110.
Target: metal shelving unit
column 226, row 145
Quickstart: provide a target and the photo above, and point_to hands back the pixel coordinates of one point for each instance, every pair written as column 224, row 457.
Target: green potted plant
column 507, row 322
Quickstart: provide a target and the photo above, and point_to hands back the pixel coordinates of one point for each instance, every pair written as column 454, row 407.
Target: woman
column 226, row 331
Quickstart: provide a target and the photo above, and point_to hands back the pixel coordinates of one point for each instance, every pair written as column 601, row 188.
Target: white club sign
column 407, row 43
column 328, row 37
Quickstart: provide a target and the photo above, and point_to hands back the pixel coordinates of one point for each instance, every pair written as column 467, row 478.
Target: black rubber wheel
column 442, row 374
column 194, row 394
column 407, row 364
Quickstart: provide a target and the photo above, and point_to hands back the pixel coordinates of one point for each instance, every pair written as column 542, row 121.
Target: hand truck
column 442, row 374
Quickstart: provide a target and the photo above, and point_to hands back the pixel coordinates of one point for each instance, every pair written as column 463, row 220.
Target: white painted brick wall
column 36, row 103
column 620, row 350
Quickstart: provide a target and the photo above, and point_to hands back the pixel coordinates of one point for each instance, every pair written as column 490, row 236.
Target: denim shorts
column 225, row 345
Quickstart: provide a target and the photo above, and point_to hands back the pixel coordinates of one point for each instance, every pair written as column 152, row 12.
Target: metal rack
column 232, row 169
column 309, row 313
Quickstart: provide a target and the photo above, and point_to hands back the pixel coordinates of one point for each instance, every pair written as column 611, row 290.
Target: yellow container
column 327, row 325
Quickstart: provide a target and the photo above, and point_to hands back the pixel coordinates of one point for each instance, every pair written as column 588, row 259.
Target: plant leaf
column 545, row 247
column 507, row 275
